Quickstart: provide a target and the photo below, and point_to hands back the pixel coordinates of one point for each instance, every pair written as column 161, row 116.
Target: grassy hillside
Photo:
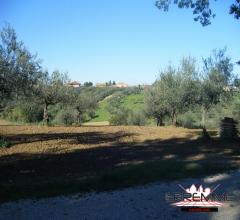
column 134, row 101
column 102, row 113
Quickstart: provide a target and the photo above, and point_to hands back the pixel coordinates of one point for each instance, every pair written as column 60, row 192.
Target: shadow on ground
column 111, row 166
column 77, row 137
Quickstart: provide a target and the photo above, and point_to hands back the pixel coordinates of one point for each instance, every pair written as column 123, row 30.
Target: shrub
column 32, row 112
column 137, row 118
column 120, row 116
column 189, row 120
column 15, row 114
column 4, row 143
column 125, row 116
column 66, row 116
column 92, row 113
column 25, row 112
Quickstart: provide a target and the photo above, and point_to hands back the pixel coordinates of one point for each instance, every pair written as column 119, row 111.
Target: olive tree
column 51, row 89
column 19, row 69
column 173, row 92
column 216, row 78
column 84, row 102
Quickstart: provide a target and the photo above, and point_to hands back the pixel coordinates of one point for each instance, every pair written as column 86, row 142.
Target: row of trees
column 22, row 80
column 111, row 83
column 25, row 87
column 178, row 90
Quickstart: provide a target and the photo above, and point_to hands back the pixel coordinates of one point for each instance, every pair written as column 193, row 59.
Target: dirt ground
column 40, row 140
column 39, row 154
column 103, row 147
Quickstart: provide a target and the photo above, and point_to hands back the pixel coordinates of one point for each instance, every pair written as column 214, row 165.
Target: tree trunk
column 45, row 114
column 160, row 122
column 205, row 134
column 79, row 118
column 204, row 114
column 174, row 119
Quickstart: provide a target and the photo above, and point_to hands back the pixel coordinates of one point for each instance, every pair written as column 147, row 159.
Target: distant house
column 120, row 85
column 116, row 85
column 100, row 85
column 74, row 84
column 146, row 86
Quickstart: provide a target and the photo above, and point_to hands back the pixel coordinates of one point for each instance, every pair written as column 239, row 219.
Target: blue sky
column 124, row 40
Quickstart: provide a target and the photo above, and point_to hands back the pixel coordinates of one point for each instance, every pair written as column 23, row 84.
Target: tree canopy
column 201, row 8
column 19, row 69
column 182, row 89
column 173, row 92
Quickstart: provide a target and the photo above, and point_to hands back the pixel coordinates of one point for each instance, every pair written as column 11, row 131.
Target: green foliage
column 190, row 119
column 19, row 69
column 120, row 116
column 52, row 89
column 102, row 113
column 28, row 94
column 66, row 116
column 4, row 143
column 235, row 107
column 225, row 108
column 110, row 83
column 125, row 116
column 236, row 82
column 28, row 112
column 16, row 114
column 235, row 9
column 177, row 92
column 217, row 76
column 201, row 9
column 173, row 92
column 137, row 118
column 133, row 101
column 88, row 84
column 84, row 104
column 97, row 92
column 128, row 98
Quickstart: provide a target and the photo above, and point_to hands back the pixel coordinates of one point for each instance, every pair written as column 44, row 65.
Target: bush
column 92, row 114
column 120, row 116
column 15, row 114
column 25, row 112
column 33, row 112
column 67, row 116
column 124, row 116
column 4, row 143
column 189, row 120
column 235, row 108
column 137, row 118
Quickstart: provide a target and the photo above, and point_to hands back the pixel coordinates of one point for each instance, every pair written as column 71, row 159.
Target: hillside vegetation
column 183, row 95
column 134, row 101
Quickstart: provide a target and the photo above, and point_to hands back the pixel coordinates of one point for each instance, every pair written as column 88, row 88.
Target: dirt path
column 97, row 123
column 138, row 203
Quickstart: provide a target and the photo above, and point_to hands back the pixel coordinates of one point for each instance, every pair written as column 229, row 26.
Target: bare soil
column 41, row 154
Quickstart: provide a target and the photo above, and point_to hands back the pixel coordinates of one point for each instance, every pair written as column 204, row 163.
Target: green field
column 134, row 102
column 102, row 114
